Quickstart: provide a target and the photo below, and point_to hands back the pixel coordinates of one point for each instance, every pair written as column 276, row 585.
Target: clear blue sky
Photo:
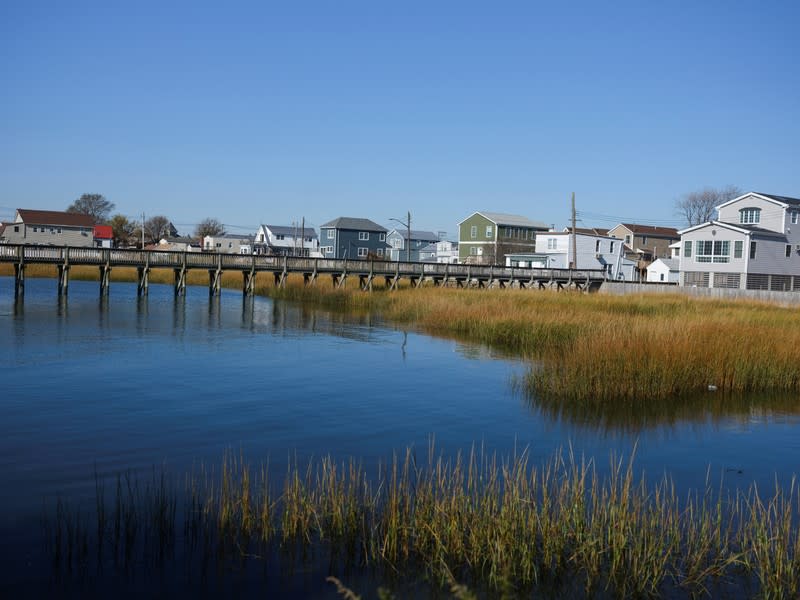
column 269, row 112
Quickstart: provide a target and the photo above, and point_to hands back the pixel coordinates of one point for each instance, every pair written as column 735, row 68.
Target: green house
column 485, row 238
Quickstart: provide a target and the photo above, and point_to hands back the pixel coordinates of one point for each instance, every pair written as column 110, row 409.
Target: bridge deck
column 280, row 266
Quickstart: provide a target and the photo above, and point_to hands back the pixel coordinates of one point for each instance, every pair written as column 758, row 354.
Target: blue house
column 398, row 240
column 353, row 238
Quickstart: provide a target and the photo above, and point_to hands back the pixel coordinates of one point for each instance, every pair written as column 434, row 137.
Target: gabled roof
column 512, row 220
column 417, row 234
column 290, row 230
column 745, row 229
column 353, row 223
column 673, row 264
column 785, row 200
column 54, row 217
column 652, row 230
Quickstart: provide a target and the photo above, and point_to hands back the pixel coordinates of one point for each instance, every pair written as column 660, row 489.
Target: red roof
column 54, row 217
column 103, row 232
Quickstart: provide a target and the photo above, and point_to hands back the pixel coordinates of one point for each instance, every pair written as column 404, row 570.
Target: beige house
column 49, row 228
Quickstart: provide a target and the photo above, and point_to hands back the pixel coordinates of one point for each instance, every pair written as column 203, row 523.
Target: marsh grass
column 498, row 524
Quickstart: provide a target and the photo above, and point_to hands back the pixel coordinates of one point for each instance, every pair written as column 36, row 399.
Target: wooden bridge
column 280, row 267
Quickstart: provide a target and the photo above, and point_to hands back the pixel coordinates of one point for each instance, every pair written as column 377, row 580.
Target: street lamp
column 407, row 223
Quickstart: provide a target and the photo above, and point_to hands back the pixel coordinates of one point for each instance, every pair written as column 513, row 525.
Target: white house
column 593, row 252
column 663, row 270
column 287, row 241
column 754, row 244
column 228, row 244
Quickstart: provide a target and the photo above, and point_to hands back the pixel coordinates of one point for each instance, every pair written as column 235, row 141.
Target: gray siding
column 56, row 235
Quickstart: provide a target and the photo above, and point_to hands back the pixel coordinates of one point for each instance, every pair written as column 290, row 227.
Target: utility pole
column 142, row 230
column 574, row 262
column 303, row 236
column 408, row 226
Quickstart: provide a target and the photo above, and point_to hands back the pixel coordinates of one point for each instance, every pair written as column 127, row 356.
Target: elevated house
column 592, row 251
column 284, row 240
column 179, row 244
column 49, row 227
column 353, row 238
column 645, row 243
column 399, row 245
column 487, row 237
column 754, row 244
column 442, row 252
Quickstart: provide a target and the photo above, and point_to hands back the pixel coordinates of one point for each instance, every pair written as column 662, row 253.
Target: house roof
column 353, row 223
column 103, row 232
column 291, row 230
column 673, row 264
column 588, row 231
column 428, row 248
column 417, row 234
column 736, row 227
column 513, row 220
column 653, row 230
column 54, row 217
column 784, row 199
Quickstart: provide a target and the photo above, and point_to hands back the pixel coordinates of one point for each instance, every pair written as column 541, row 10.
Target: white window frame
column 488, row 232
column 712, row 251
column 552, row 243
column 363, row 252
column 473, row 232
column 382, row 237
column 738, row 249
column 363, row 236
column 750, row 216
column 331, row 234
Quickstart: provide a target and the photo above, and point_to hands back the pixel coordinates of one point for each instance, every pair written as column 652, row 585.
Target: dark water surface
column 128, row 384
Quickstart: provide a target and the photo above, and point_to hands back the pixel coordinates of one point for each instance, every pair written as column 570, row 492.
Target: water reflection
column 714, row 409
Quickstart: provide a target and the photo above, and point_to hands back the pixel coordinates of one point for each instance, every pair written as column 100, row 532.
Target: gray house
column 353, row 238
column 397, row 239
column 753, row 245
column 49, row 227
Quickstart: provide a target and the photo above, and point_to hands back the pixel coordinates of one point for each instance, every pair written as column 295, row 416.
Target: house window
column 363, row 236
column 628, row 239
column 473, row 232
column 230, row 244
column 644, row 240
column 488, row 231
column 16, row 228
column 661, row 277
column 473, row 251
column 687, row 249
column 611, row 248
column 382, row 237
column 219, row 244
column 36, row 230
column 788, row 250
column 597, row 246
column 552, row 243
column 794, row 217
column 58, row 230
column 330, row 234
column 708, row 251
column 362, row 252
column 379, row 251
column 508, row 232
column 752, row 250
column 750, row 215
column 327, row 249
column 737, row 248
column 280, row 236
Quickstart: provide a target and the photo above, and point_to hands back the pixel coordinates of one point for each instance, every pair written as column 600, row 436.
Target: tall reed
column 496, row 523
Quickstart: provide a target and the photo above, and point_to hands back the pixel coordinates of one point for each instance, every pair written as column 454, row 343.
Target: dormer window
column 750, row 216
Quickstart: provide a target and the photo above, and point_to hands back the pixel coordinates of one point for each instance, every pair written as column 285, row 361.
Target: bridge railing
column 244, row 262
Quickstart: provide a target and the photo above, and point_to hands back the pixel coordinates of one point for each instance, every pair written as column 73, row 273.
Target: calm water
column 129, row 384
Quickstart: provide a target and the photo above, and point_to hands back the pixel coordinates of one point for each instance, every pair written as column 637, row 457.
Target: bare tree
column 156, row 228
column 209, row 227
column 94, row 205
column 123, row 230
column 700, row 206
